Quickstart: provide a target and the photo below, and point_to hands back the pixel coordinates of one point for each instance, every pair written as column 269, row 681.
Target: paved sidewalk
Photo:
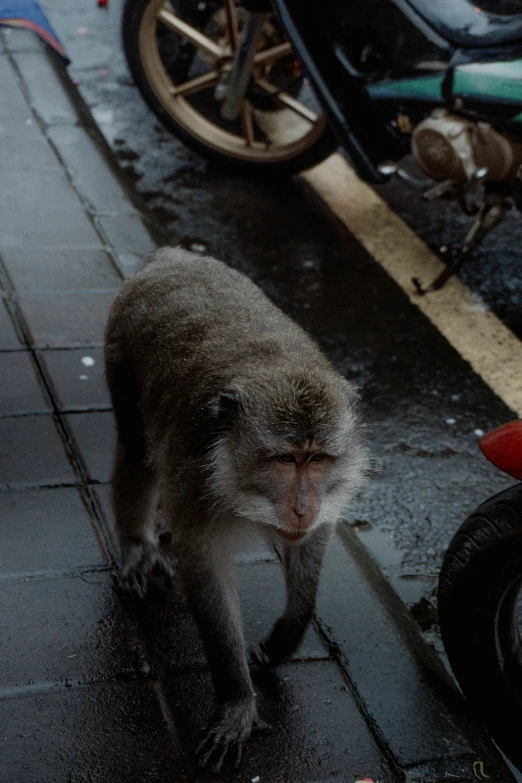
column 96, row 689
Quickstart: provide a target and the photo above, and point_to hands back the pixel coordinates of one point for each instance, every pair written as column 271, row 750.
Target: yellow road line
column 492, row 349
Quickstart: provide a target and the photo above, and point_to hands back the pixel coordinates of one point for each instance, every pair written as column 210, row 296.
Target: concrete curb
column 406, row 693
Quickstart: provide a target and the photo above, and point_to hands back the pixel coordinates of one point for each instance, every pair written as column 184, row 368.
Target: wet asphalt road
column 424, row 406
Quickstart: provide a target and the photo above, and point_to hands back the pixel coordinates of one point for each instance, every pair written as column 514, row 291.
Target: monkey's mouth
column 293, row 535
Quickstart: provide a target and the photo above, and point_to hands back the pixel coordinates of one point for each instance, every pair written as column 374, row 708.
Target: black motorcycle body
column 357, row 54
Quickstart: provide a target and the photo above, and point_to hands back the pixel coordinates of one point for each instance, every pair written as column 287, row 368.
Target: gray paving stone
column 8, row 336
column 12, row 97
column 32, row 453
column 66, row 319
column 38, row 270
column 129, row 263
column 114, row 733
column 41, row 209
column 46, row 530
column 127, row 232
column 46, row 93
column 95, row 435
column 67, row 630
column 387, row 660
column 23, row 146
column 317, row 734
column 89, row 170
column 20, row 390
column 20, row 40
column 172, row 636
column 79, row 384
column 24, row 149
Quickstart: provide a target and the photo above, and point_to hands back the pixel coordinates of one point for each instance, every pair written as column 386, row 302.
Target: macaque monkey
column 229, row 416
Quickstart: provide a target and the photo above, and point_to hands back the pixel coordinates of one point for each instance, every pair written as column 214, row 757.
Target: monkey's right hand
column 232, row 724
column 140, row 560
column 280, row 645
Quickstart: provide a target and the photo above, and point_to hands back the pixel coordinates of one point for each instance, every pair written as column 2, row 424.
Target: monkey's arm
column 211, row 591
column 303, row 563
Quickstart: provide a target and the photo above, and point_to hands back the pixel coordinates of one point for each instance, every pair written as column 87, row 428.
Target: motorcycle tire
column 243, row 143
column 478, row 590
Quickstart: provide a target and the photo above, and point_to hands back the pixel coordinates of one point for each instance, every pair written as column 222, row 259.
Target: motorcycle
column 275, row 89
column 479, row 602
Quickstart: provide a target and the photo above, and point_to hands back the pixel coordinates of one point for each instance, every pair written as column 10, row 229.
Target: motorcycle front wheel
column 479, row 613
column 180, row 54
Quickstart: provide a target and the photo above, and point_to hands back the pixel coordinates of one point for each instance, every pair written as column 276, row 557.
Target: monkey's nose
column 302, row 519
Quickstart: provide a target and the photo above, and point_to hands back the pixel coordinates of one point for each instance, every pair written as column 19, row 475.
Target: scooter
column 274, row 88
column 479, row 602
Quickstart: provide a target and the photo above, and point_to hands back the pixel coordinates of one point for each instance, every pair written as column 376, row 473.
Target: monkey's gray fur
column 230, row 415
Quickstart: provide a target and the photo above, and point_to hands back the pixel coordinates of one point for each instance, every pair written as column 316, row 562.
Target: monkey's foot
column 233, row 723
column 260, row 657
column 140, row 560
column 280, row 645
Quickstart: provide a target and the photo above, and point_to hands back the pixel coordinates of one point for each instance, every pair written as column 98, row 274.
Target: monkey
column 230, row 416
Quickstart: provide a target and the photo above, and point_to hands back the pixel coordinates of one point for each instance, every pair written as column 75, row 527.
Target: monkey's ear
column 224, row 407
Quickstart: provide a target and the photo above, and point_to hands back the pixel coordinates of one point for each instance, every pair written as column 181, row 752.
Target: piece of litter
column 450, row 421
column 478, row 433
column 104, row 72
column 197, row 247
column 256, row 779
column 81, row 30
column 72, row 656
column 478, row 770
column 87, row 361
column 83, row 377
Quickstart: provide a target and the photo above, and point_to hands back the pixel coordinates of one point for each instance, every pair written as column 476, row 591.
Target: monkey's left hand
column 232, row 724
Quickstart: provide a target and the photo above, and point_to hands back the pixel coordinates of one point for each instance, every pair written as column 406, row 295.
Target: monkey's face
column 294, row 482
column 293, row 490
column 290, row 455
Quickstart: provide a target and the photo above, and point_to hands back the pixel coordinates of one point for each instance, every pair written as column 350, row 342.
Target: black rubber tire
column 324, row 145
column 477, row 597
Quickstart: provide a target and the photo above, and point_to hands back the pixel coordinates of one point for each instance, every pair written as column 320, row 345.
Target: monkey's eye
column 317, row 457
column 286, row 458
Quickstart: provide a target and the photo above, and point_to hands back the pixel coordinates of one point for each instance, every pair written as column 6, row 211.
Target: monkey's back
column 186, row 326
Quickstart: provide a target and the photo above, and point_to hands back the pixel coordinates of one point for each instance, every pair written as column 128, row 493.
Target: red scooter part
column 503, row 447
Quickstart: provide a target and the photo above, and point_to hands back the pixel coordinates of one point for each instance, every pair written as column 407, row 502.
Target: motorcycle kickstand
column 242, row 66
column 491, row 212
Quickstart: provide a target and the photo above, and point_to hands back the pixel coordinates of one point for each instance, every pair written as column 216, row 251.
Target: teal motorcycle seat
column 465, row 25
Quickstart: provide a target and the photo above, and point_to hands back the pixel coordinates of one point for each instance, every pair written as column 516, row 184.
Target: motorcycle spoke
column 200, row 41
column 288, row 101
column 195, row 85
column 233, row 33
column 247, row 123
column 274, row 53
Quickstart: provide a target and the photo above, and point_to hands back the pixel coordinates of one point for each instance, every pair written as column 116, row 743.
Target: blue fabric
column 28, row 14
